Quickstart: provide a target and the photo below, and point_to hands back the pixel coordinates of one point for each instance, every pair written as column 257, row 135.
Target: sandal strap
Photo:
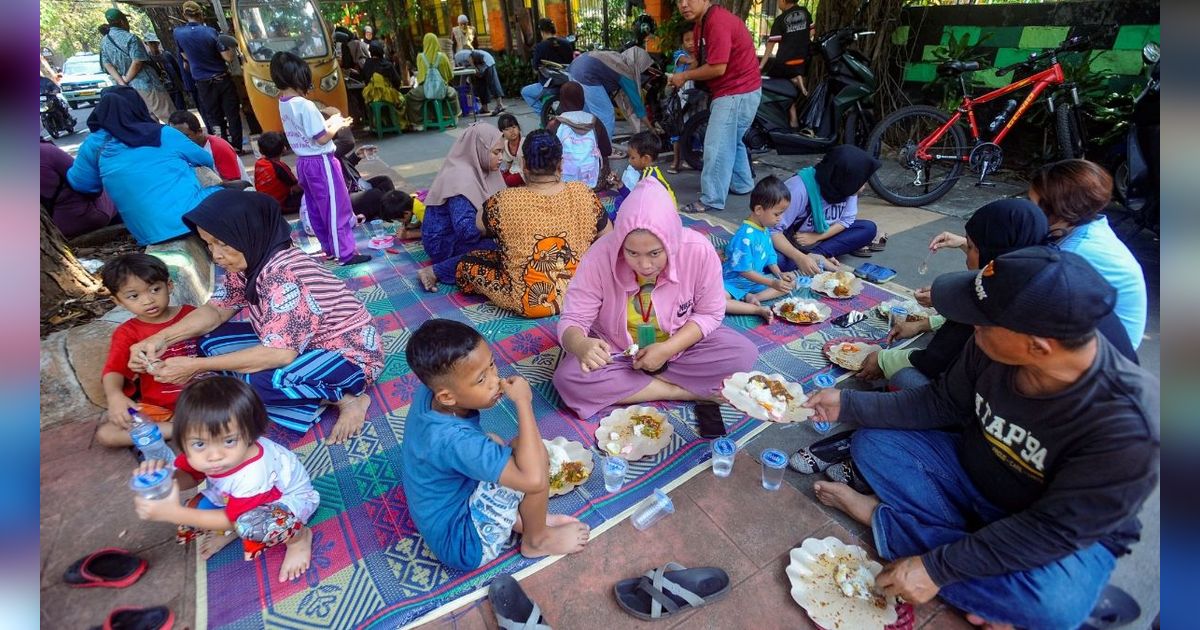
column 658, row 599
column 656, row 585
column 532, row 623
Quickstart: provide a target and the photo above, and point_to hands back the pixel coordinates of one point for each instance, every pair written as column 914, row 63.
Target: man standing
column 1009, row 486
column 792, row 32
column 205, row 57
column 729, row 69
column 126, row 61
column 462, row 37
column 165, row 64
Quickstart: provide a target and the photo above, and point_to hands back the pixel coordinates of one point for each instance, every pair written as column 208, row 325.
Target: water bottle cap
column 899, row 310
column 774, row 458
column 824, row 380
column 149, row 479
column 804, row 281
column 724, row 447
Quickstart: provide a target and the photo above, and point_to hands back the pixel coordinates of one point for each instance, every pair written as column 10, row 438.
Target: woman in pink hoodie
column 652, row 284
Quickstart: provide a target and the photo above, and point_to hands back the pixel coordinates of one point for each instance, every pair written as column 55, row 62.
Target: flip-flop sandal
column 672, row 171
column 847, row 473
column 862, row 252
column 153, row 618
column 618, row 155
column 698, row 207
column 671, row 589
column 1116, row 608
column 879, row 244
column 110, row 567
column 512, row 605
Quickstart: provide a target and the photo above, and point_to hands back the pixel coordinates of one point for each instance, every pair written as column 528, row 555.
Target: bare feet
column 839, row 495
column 750, row 298
column 556, row 540
column 976, row 620
column 766, row 313
column 352, row 413
column 212, row 542
column 552, row 520
column 427, row 278
column 299, row 552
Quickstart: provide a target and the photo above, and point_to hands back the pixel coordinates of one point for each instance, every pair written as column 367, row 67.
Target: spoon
column 924, row 267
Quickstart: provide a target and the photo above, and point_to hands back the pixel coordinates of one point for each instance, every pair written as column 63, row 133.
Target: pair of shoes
column 499, row 110
column 356, row 259
column 699, row 207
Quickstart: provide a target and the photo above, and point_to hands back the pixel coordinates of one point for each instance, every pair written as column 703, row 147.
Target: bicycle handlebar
column 1078, row 42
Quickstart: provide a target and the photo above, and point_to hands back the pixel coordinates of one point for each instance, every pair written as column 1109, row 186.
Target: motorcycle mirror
column 861, row 7
column 1151, row 52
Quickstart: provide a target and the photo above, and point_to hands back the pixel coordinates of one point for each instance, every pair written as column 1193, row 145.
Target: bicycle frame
column 1046, row 78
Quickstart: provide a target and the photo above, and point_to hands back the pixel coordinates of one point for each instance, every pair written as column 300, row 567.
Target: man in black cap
column 1010, row 485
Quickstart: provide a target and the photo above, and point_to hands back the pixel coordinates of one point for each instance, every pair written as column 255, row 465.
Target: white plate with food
column 835, row 584
column 798, row 311
column 839, row 285
column 634, row 432
column 769, row 397
column 850, row 353
column 916, row 312
column 570, row 464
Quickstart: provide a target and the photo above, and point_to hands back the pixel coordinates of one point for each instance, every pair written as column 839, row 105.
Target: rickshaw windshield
column 271, row 26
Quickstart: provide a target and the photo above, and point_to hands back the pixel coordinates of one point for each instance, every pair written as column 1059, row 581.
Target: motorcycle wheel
column 856, row 129
column 691, row 140
column 1070, row 138
column 74, row 104
column 550, row 108
column 905, row 180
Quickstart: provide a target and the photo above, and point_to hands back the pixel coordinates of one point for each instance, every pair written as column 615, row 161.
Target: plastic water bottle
column 823, row 381
column 149, row 440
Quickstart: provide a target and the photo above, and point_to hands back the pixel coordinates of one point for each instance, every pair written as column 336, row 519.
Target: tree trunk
column 164, row 26
column 62, row 277
column 521, row 29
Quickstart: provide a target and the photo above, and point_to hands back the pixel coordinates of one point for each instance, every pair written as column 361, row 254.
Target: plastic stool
column 438, row 120
column 378, row 109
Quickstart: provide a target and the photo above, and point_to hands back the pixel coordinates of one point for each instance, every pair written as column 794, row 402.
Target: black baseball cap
column 1038, row 291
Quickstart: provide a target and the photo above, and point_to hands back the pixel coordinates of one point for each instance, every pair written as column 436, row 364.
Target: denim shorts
column 494, row 512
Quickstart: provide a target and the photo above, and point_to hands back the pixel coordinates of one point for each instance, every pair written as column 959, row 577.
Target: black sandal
column 671, row 589
column 514, row 610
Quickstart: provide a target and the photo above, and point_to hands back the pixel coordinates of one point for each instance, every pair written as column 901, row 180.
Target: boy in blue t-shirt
column 750, row 253
column 466, row 490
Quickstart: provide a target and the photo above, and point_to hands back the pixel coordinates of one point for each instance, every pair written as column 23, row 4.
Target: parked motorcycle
column 56, row 118
column 1136, row 174
column 837, row 110
column 553, row 76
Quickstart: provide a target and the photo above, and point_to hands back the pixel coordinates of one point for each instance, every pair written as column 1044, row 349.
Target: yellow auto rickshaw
column 265, row 27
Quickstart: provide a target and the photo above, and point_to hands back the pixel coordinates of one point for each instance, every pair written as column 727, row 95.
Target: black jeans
column 221, row 102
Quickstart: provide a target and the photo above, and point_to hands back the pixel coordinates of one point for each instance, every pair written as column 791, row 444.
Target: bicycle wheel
column 904, row 179
column 1070, row 138
column 691, row 140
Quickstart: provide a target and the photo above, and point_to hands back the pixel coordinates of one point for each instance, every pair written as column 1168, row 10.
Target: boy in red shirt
column 272, row 176
column 225, row 161
column 142, row 284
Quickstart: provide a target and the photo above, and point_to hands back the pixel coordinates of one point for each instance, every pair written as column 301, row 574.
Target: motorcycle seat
column 953, row 67
column 783, row 87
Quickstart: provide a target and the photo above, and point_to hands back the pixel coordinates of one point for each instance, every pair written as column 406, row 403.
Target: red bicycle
column 924, row 149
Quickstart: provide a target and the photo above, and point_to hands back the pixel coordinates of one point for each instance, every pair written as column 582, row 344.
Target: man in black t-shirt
column 551, row 48
column 791, row 32
column 1009, row 486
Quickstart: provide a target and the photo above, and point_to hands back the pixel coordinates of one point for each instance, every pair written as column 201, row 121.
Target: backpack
column 581, row 154
column 435, row 85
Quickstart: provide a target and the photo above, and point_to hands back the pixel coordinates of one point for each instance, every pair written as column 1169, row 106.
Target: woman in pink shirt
column 651, row 283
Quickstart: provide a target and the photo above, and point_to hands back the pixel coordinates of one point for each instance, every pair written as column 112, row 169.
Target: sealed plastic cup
column 804, row 286
column 899, row 315
column 614, row 472
column 773, row 463
column 153, row 485
column 377, row 228
column 723, row 452
column 653, row 508
column 823, row 381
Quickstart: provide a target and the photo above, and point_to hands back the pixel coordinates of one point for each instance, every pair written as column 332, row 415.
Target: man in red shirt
column 227, row 164
column 728, row 66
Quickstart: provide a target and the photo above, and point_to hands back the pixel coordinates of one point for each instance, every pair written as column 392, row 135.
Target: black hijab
column 1006, row 225
column 843, row 171
column 123, row 113
column 249, row 222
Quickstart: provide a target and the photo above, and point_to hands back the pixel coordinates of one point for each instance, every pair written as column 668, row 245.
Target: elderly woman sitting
column 308, row 341
column 654, row 283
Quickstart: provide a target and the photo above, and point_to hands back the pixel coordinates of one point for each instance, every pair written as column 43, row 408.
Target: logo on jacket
column 685, row 308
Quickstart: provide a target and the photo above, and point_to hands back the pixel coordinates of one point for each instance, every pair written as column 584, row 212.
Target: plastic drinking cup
column 377, row 227
column 823, row 381
column 614, row 472
column 804, row 286
column 153, row 485
column 653, row 508
column 774, row 461
column 723, row 452
column 899, row 315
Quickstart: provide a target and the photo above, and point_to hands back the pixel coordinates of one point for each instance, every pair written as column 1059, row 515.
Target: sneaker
column 356, row 259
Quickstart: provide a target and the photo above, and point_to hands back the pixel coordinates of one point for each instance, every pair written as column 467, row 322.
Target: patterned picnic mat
column 370, row 566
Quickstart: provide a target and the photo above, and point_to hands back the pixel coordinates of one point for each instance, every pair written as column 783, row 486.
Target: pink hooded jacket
column 689, row 289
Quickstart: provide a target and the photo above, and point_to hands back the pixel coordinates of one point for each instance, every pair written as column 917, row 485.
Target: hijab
column 464, row 173
column 631, row 63
column 843, row 171
column 122, row 113
column 570, row 97
column 431, row 47
column 250, row 222
column 1006, row 225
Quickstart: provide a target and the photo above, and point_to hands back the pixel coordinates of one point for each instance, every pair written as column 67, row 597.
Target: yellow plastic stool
column 378, row 109
column 438, row 120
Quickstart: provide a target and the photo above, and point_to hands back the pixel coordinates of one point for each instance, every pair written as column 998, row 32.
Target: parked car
column 82, row 79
